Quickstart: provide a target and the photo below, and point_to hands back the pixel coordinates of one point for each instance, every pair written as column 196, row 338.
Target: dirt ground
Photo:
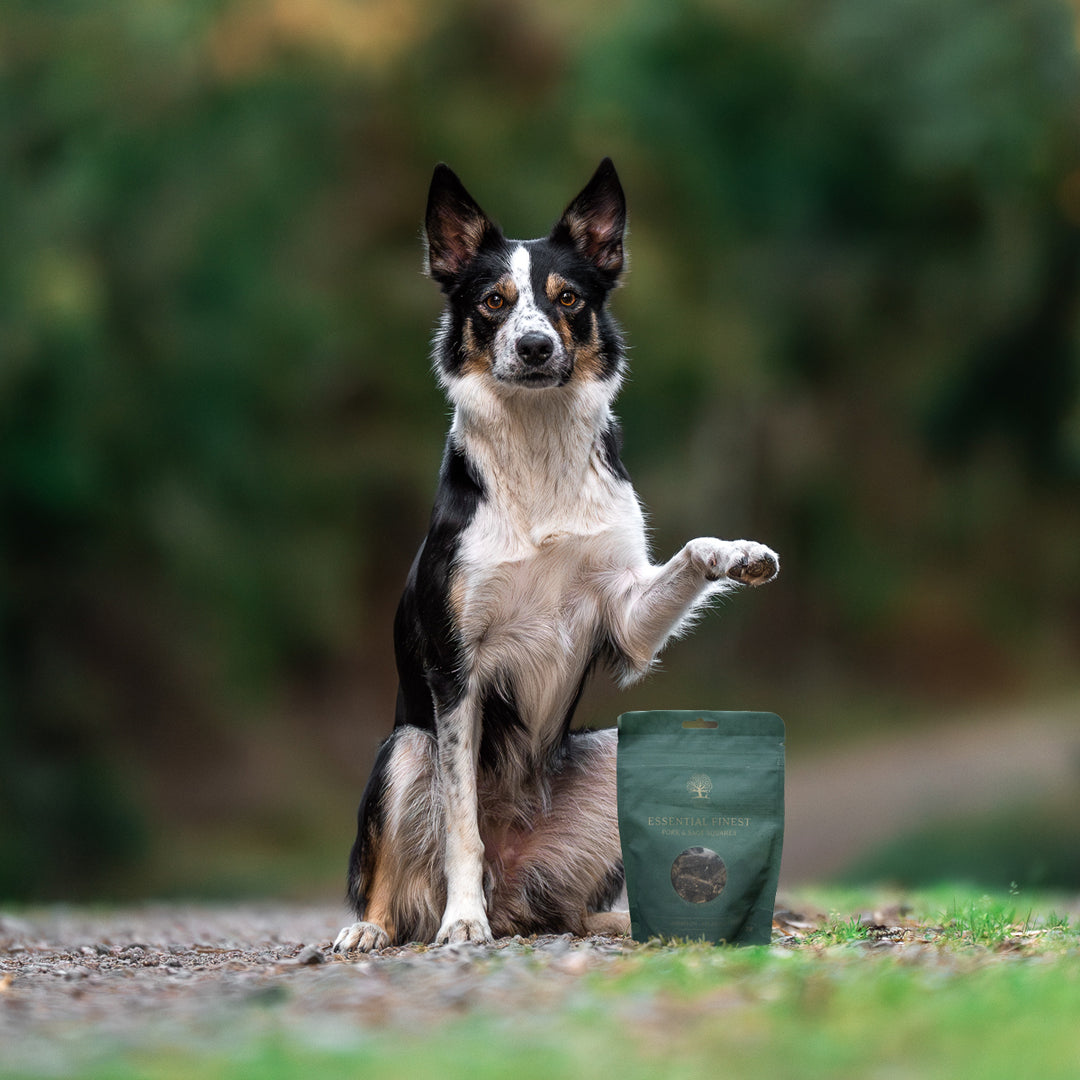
column 79, row 984
column 165, row 975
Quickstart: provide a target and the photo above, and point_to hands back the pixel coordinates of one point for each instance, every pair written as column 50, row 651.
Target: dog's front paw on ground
column 755, row 565
column 460, row 931
column 361, row 937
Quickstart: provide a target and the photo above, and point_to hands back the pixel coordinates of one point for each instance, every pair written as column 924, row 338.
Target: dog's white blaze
column 525, row 318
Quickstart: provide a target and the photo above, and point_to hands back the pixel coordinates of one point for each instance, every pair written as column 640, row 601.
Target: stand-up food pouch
column 701, row 819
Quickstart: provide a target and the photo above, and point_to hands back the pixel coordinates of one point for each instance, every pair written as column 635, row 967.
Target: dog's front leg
column 653, row 608
column 465, row 917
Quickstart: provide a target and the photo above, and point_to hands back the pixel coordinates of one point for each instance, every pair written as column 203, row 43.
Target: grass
column 950, row 984
column 683, row 1015
column 985, row 921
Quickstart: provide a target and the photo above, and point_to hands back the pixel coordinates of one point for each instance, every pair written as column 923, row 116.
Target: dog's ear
column 455, row 226
column 595, row 222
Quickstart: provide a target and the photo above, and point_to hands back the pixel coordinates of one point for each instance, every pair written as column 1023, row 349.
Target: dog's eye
column 567, row 298
column 494, row 301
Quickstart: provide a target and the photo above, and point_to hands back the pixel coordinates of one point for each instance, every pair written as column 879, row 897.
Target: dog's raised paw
column 745, row 561
column 757, row 566
column 361, row 937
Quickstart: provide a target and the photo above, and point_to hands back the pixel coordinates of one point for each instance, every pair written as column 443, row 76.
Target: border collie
column 485, row 814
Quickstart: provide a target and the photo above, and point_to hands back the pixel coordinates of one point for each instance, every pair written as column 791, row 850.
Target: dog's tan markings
column 587, row 361
column 376, row 927
column 477, row 361
column 378, row 909
column 587, row 358
column 567, row 336
column 458, row 591
column 508, row 287
column 556, row 286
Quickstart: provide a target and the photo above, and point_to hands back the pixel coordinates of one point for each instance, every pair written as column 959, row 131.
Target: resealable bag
column 701, row 819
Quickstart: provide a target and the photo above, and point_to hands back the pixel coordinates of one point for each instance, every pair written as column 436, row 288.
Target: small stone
column 573, row 963
column 462, row 949
column 310, row 954
column 556, row 946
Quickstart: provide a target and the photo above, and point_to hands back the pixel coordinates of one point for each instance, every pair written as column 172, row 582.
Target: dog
column 485, row 815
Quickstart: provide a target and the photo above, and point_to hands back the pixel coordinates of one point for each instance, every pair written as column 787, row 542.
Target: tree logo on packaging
column 699, row 785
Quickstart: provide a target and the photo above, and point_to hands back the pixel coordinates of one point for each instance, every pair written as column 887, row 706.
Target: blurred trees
column 853, row 312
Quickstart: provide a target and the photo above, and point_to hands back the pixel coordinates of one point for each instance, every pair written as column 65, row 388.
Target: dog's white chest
column 530, row 597
column 535, row 567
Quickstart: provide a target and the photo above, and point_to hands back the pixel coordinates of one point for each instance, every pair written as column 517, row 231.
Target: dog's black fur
column 484, row 813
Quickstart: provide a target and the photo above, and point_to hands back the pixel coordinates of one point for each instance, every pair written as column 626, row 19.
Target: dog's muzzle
column 541, row 360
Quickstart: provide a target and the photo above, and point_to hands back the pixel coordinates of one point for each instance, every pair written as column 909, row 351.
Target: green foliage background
column 853, row 312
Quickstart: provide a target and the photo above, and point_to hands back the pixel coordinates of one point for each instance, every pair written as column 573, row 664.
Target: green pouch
column 701, row 820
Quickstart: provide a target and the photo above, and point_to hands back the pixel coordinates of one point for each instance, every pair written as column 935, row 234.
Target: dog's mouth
column 512, row 371
column 537, row 380
column 534, row 380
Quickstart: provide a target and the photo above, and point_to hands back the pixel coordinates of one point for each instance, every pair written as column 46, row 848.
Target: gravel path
column 80, row 986
column 81, row 982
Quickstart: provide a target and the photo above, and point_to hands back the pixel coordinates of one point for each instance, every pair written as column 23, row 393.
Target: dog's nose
column 535, row 349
